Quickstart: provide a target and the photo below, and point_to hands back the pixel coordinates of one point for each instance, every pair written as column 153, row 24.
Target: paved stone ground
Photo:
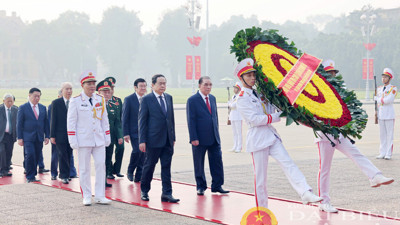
column 30, row 203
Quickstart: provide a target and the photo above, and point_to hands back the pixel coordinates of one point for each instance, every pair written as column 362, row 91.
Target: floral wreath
column 323, row 105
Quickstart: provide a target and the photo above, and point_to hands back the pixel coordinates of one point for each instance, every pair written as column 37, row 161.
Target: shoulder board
column 77, row 96
column 394, row 86
column 100, row 95
column 241, row 93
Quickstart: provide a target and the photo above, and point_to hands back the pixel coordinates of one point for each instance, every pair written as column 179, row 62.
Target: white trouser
column 99, row 157
column 237, row 134
column 386, row 128
column 292, row 172
column 326, row 152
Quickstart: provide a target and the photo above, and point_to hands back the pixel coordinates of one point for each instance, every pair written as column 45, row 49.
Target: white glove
column 276, row 117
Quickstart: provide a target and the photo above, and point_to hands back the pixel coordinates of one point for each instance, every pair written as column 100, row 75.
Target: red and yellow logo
column 258, row 216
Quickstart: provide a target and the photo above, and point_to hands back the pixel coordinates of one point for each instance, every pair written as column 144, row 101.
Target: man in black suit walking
column 58, row 131
column 8, row 133
column 130, row 112
column 157, row 137
column 202, row 117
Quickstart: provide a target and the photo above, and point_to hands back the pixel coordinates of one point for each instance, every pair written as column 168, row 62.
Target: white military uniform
column 385, row 98
column 326, row 152
column 89, row 133
column 264, row 141
column 236, row 123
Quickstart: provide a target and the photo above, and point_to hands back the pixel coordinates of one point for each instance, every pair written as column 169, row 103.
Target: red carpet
column 225, row 209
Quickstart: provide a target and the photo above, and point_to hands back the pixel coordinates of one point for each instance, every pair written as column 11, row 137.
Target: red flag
column 197, row 67
column 189, row 67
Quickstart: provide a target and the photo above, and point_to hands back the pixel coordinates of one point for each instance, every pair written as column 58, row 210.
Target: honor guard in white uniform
column 350, row 150
column 236, row 119
column 264, row 141
column 385, row 98
column 89, row 133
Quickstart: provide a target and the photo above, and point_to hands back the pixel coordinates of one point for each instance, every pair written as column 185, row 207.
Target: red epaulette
column 77, row 95
column 241, row 93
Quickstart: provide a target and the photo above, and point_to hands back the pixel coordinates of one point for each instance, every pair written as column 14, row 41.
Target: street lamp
column 193, row 8
column 367, row 29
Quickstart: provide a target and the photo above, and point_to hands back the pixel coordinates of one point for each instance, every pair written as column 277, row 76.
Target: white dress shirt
column 158, row 99
column 36, row 108
column 8, row 119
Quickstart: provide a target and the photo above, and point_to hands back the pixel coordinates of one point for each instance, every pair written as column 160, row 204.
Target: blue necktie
column 162, row 105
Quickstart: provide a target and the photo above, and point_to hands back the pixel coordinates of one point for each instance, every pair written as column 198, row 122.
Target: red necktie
column 34, row 111
column 208, row 105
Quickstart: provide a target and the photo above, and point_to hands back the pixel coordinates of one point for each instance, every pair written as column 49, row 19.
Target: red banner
column 298, row 77
column 370, row 67
column 197, row 67
column 189, row 67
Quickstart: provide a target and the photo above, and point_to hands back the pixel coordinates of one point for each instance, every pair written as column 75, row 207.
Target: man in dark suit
column 157, row 137
column 58, row 131
column 202, row 118
column 33, row 130
column 8, row 133
column 130, row 111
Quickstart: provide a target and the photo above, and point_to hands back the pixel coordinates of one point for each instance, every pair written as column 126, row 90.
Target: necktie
column 90, row 100
column 208, row 105
column 384, row 88
column 163, row 105
column 34, row 111
column 9, row 121
column 67, row 105
column 255, row 93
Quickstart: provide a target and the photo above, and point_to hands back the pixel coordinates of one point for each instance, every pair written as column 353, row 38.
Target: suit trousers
column 64, row 159
column 292, row 172
column 54, row 163
column 152, row 156
column 215, row 162
column 84, row 158
column 6, row 149
column 136, row 160
column 326, row 152
column 237, row 134
column 32, row 157
column 386, row 128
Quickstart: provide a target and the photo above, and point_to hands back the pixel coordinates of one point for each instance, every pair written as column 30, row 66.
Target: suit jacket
column 28, row 127
column 203, row 125
column 3, row 119
column 130, row 113
column 58, row 121
column 156, row 129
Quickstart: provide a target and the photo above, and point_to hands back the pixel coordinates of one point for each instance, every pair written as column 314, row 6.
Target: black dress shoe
column 220, row 190
column 73, row 177
column 108, row 185
column 10, row 168
column 119, row 175
column 69, row 179
column 32, row 180
column 7, row 174
column 130, row 177
column 200, row 192
column 43, row 170
column 136, row 180
column 169, row 198
column 110, row 177
column 53, row 177
column 144, row 196
column 65, row 181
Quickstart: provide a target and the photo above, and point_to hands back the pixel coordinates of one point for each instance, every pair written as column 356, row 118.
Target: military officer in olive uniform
column 117, row 139
column 104, row 88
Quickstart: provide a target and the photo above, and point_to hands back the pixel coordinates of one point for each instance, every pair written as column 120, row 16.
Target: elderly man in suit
column 202, row 118
column 157, row 137
column 130, row 111
column 58, row 131
column 8, row 133
column 33, row 130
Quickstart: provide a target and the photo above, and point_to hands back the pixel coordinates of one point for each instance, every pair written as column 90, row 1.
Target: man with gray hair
column 8, row 133
column 58, row 131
